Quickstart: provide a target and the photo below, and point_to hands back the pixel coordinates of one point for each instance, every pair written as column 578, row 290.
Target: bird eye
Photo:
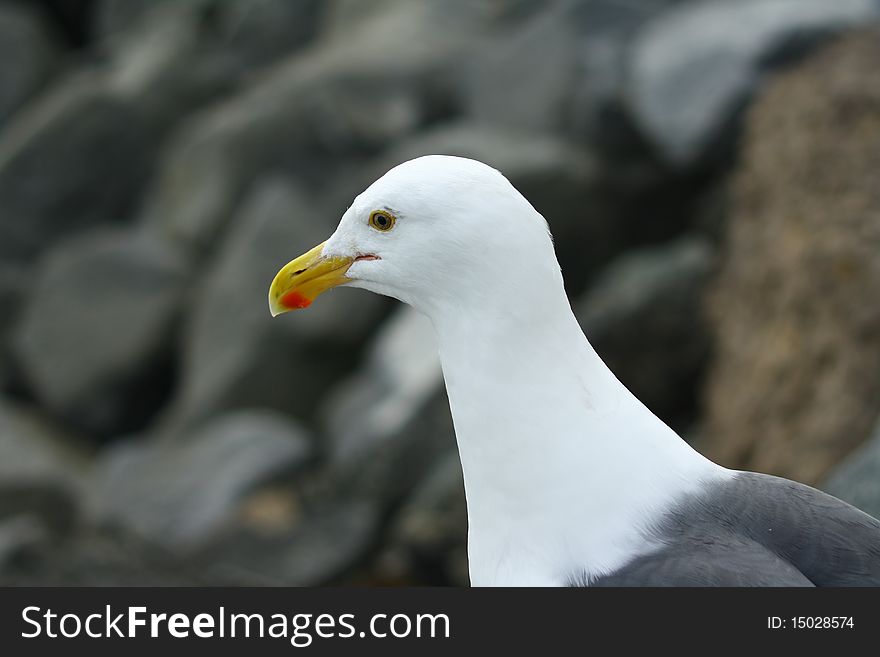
column 381, row 220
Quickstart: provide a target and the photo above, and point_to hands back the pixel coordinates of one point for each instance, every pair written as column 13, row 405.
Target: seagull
column 570, row 480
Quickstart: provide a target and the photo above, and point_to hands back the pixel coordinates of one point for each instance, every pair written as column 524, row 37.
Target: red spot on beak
column 294, row 299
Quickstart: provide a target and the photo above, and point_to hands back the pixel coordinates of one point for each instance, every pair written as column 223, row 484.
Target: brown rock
column 796, row 380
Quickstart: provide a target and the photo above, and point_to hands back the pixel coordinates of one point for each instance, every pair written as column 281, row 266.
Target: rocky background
column 710, row 170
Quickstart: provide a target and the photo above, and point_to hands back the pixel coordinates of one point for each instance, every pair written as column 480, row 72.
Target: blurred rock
column 344, row 18
column 350, row 95
column 596, row 108
column 12, row 282
column 20, row 536
column 321, row 548
column 857, row 479
column 98, row 558
column 644, row 317
column 795, row 383
column 695, row 66
column 94, row 338
column 115, row 16
column 428, row 536
column 389, row 422
column 144, row 63
column 235, row 353
column 70, row 19
column 221, row 42
column 27, row 57
column 252, row 33
column 566, row 58
column 262, row 30
column 523, row 77
column 179, row 492
column 174, row 58
column 75, row 159
column 40, row 475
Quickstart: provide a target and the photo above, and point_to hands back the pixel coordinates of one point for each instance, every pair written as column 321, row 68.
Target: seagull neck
column 551, row 443
column 501, row 355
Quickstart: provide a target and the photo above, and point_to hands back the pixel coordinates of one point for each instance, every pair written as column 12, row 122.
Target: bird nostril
column 297, row 273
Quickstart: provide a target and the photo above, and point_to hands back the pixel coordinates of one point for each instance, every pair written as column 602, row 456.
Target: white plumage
column 569, row 478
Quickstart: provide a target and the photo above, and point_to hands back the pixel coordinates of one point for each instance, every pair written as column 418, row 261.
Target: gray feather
column 757, row 530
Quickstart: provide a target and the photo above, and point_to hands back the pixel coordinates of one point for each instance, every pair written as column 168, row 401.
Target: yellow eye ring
column 382, row 220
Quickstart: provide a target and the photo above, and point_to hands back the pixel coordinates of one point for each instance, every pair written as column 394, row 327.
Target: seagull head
column 438, row 232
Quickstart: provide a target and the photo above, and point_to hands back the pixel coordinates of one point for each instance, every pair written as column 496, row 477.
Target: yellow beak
column 301, row 280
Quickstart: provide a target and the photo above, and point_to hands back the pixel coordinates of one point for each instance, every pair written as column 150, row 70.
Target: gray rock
column 563, row 58
column 115, row 16
column 114, row 113
column 350, row 95
column 857, row 479
column 695, row 66
column 75, row 159
column 94, row 339
column 316, row 550
column 178, row 493
column 524, row 77
column 20, row 536
column 95, row 558
column 390, row 421
column 596, row 110
column 27, row 57
column 221, row 42
column 235, row 353
column 346, row 17
column 40, row 474
column 429, row 533
column 644, row 318
column 12, row 282
column 143, row 63
column 260, row 31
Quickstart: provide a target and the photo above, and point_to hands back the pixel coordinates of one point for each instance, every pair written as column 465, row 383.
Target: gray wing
column 759, row 530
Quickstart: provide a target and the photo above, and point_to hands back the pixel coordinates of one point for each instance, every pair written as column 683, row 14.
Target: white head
column 435, row 232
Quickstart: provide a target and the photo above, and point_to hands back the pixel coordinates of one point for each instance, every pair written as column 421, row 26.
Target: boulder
column 597, row 111
column 114, row 112
column 694, row 67
column 427, row 540
column 523, row 77
column 794, row 381
column 42, row 475
column 319, row 548
column 644, row 316
column 234, row 353
column 114, row 16
column 27, row 57
column 21, row 537
column 221, row 42
column 12, row 282
column 857, row 479
column 75, row 159
column 555, row 67
column 93, row 558
column 240, row 36
column 94, row 338
column 180, row 492
column 350, row 95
